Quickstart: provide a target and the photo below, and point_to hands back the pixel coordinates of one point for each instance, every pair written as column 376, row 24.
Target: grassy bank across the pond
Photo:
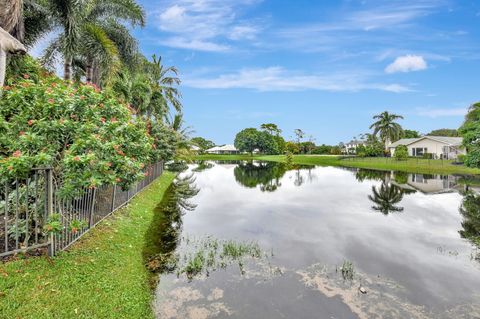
column 411, row 165
column 101, row 276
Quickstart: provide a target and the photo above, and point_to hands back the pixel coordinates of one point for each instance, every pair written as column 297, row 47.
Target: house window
column 419, row 151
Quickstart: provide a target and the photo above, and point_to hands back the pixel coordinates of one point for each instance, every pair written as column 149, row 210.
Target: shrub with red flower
column 72, row 136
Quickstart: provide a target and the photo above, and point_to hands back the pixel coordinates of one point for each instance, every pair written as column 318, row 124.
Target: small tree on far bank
column 401, row 153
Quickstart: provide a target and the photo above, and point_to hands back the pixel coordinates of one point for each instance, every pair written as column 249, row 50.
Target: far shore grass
column 411, row 165
column 102, row 276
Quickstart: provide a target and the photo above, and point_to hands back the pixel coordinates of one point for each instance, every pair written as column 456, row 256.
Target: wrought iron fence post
column 90, row 219
column 49, row 195
column 113, row 197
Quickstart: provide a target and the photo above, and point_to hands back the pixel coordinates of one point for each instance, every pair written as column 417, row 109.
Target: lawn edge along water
column 101, row 276
column 412, row 165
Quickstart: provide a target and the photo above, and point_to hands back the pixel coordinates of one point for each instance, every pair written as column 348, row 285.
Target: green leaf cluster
column 86, row 135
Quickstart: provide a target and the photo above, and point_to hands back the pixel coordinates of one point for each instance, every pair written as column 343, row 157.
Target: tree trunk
column 67, row 69
column 95, row 74
column 3, row 66
column 89, row 70
column 8, row 44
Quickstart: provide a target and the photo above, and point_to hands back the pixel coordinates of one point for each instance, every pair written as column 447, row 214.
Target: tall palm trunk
column 3, row 66
column 67, row 69
column 89, row 70
column 11, row 18
column 8, row 44
column 96, row 74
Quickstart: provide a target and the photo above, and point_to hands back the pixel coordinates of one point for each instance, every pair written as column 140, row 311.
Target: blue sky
column 323, row 66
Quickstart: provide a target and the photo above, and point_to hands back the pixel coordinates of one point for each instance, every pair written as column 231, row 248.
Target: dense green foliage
column 292, row 147
column 87, row 135
column 470, row 210
column 411, row 134
column 470, row 130
column 370, row 150
column 251, row 139
column 203, row 143
column 401, row 152
column 444, row 132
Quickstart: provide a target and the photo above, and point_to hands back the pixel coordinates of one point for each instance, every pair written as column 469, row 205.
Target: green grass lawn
column 412, row 165
column 101, row 276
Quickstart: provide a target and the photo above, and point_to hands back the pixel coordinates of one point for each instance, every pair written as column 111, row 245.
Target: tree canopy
column 444, row 132
column 470, row 130
column 203, row 143
column 251, row 139
column 411, row 134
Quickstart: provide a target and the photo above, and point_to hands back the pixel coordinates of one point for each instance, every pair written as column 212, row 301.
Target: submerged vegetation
column 201, row 256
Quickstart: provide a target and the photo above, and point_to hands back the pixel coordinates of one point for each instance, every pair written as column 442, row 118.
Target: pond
column 258, row 240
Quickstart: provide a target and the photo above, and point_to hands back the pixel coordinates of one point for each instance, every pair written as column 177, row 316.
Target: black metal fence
column 35, row 217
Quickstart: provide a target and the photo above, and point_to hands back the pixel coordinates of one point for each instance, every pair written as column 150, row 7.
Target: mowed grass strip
column 101, row 276
column 411, row 165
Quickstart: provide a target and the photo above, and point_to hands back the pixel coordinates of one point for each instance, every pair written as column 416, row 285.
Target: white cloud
column 392, row 14
column 203, row 24
column 194, row 44
column 279, row 79
column 243, row 32
column 407, row 63
column 437, row 112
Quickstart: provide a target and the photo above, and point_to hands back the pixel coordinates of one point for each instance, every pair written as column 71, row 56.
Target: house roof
column 354, row 142
column 404, row 141
column 227, row 147
column 194, row 148
column 451, row 141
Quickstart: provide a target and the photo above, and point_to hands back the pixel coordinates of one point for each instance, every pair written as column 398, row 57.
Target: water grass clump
column 348, row 270
column 205, row 255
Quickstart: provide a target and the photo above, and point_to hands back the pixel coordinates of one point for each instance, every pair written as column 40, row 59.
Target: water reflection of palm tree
column 386, row 197
column 299, row 180
column 164, row 233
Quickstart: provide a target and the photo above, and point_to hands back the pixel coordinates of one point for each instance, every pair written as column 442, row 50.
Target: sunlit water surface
column 398, row 235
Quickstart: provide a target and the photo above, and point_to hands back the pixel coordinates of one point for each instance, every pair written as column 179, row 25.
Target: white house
column 351, row 147
column 225, row 149
column 440, row 146
column 429, row 184
column 195, row 148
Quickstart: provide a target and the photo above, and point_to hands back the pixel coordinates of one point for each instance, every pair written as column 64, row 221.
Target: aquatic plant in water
column 347, row 270
column 204, row 255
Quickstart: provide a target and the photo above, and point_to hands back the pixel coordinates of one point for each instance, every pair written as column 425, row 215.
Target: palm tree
column 177, row 124
column 386, row 126
column 134, row 89
column 386, row 197
column 85, row 25
column 165, row 81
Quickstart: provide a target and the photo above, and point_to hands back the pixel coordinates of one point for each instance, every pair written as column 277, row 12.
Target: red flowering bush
column 86, row 135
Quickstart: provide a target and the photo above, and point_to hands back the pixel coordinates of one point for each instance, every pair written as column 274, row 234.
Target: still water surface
column 335, row 243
